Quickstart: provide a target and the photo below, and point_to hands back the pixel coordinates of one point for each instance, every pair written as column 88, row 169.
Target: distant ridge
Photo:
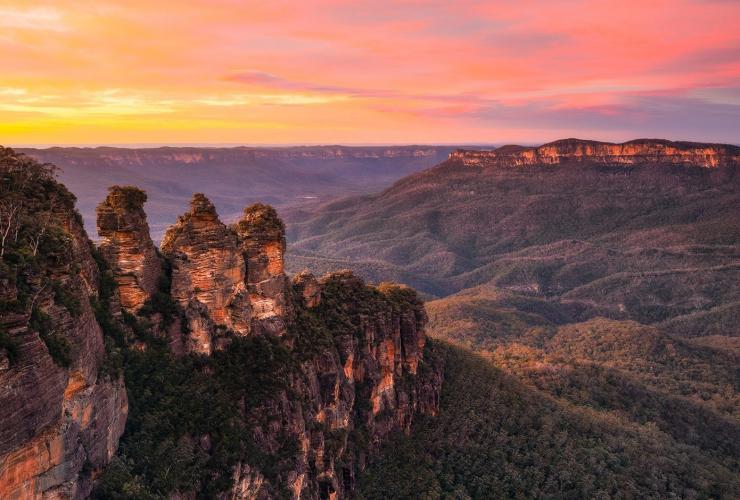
column 537, row 220
column 638, row 151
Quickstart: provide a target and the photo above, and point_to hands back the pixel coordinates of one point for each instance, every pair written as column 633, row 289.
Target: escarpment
column 637, row 152
column 61, row 411
column 317, row 373
column 230, row 379
column 127, row 246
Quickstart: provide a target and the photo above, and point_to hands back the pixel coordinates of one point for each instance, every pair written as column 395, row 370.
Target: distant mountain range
column 231, row 177
column 592, row 225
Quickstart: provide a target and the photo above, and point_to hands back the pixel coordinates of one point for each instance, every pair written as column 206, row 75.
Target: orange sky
column 227, row 71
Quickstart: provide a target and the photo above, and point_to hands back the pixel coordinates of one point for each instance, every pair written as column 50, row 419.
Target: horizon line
column 235, row 145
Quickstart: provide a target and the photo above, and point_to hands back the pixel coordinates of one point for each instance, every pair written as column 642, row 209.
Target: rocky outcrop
column 208, row 273
column 638, row 152
column 228, row 280
column 367, row 380
column 355, row 369
column 60, row 415
column 126, row 245
column 309, row 377
column 262, row 238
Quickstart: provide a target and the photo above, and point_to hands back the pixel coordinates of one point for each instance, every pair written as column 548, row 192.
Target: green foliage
column 118, row 483
column 310, row 333
column 35, row 210
column 114, row 336
column 495, row 437
column 106, row 282
column 169, row 401
column 58, row 346
column 133, row 197
column 161, row 302
column 346, row 301
column 178, row 404
column 67, row 299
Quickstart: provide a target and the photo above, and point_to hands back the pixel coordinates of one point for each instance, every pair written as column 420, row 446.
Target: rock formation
column 355, row 373
column 127, row 246
column 208, row 273
column 262, row 238
column 60, row 415
column 365, row 384
column 637, row 152
column 228, row 279
column 314, row 375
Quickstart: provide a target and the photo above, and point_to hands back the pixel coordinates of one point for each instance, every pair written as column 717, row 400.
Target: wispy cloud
column 32, row 18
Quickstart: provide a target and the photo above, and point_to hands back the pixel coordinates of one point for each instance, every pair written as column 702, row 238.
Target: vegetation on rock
column 496, row 437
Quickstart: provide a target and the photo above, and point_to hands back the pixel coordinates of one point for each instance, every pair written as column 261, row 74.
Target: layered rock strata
column 228, row 280
column 208, row 274
column 127, row 246
column 644, row 152
column 261, row 236
column 60, row 416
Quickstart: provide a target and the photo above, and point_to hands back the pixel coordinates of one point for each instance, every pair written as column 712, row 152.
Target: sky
column 367, row 71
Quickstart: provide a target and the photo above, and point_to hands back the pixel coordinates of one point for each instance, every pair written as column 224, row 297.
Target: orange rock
column 126, row 245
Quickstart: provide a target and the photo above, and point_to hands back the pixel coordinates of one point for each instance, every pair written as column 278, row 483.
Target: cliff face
column 638, row 152
column 325, row 369
column 241, row 383
column 354, row 385
column 60, row 416
column 208, row 274
column 127, row 246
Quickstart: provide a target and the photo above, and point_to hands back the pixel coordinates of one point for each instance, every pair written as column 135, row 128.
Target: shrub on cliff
column 260, row 221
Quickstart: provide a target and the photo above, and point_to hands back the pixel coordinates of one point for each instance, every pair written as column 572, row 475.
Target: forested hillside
column 498, row 436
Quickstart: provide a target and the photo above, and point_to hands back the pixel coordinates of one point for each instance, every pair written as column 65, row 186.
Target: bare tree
column 10, row 212
column 43, row 223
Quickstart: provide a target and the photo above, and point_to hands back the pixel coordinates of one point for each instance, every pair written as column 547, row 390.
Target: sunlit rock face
column 208, row 269
column 60, row 424
column 126, row 245
column 261, row 236
column 639, row 152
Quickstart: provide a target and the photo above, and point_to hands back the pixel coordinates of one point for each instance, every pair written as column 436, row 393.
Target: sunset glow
column 225, row 71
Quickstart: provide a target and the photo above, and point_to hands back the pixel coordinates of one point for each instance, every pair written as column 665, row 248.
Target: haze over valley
column 232, row 177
